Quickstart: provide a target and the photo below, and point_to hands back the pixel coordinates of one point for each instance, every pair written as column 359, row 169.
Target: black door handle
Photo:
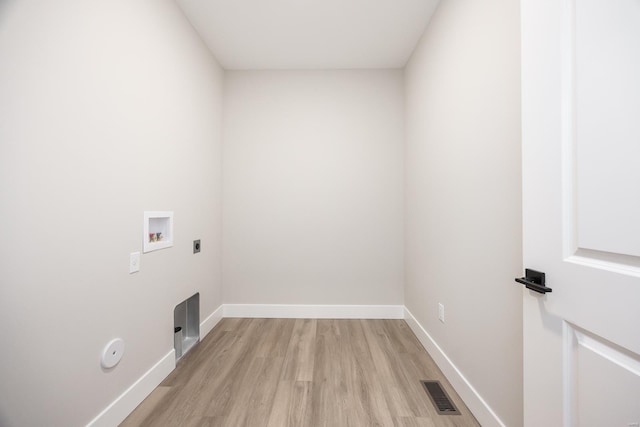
column 534, row 280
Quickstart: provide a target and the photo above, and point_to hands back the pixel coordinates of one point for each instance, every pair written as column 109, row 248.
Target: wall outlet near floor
column 441, row 312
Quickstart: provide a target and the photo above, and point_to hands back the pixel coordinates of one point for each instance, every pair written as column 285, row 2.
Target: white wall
column 110, row 109
column 313, row 208
column 463, row 230
column 107, row 109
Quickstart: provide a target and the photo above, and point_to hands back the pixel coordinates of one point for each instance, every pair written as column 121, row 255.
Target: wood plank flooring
column 301, row 373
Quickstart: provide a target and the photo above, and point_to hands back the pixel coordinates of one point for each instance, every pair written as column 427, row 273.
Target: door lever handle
column 534, row 280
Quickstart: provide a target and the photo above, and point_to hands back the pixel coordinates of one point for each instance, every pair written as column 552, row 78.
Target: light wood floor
column 301, row 373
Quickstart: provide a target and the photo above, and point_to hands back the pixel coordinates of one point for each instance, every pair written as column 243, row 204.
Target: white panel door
column 581, row 204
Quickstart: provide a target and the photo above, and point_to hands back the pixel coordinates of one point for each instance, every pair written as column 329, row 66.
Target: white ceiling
column 310, row 34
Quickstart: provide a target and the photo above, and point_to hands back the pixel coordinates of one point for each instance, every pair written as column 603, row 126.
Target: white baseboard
column 289, row 311
column 476, row 404
column 211, row 321
column 120, row 408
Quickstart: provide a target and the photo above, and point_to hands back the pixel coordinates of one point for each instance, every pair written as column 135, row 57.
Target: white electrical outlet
column 441, row 312
column 134, row 262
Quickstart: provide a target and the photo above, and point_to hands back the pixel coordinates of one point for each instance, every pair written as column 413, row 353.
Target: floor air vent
column 440, row 399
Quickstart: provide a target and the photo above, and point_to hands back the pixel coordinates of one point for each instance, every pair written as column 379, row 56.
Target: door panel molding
column 616, row 263
column 576, row 119
column 594, row 250
column 579, row 345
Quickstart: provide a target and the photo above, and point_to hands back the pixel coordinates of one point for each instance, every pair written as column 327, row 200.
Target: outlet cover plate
column 134, row 262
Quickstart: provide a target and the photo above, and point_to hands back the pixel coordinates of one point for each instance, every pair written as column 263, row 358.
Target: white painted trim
column 120, row 408
column 211, row 321
column 477, row 405
column 569, row 382
column 289, row 311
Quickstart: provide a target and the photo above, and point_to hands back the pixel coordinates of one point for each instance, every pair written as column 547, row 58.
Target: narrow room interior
column 178, row 171
column 362, row 179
